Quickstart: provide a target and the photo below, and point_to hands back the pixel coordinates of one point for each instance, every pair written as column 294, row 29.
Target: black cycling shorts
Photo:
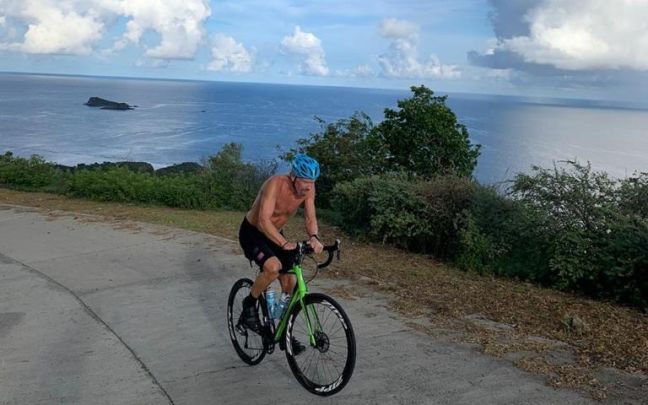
column 258, row 248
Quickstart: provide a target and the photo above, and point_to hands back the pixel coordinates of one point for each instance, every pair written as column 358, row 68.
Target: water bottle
column 270, row 300
column 282, row 305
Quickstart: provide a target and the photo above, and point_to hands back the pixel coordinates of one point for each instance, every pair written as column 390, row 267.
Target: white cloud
column 359, row 71
column 585, row 35
column 401, row 59
column 309, row 49
column 152, row 63
column 363, row 71
column 393, row 28
column 179, row 23
column 227, row 54
column 76, row 26
column 65, row 28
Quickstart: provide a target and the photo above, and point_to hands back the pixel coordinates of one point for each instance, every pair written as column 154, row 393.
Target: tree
column 232, row 182
column 343, row 151
column 423, row 138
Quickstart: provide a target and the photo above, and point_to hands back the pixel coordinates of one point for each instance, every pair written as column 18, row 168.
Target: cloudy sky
column 562, row 48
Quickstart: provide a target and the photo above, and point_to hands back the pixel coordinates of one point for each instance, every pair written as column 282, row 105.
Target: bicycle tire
column 248, row 345
column 336, row 339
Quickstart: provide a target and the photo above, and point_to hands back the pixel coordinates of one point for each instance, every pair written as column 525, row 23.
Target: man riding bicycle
column 261, row 235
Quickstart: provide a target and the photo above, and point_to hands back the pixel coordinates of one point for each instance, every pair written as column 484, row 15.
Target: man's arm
column 266, row 209
column 310, row 221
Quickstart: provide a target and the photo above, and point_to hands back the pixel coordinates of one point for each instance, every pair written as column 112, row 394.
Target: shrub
column 343, row 151
column 225, row 182
column 424, row 138
column 233, row 183
column 633, row 195
column 351, row 200
column 594, row 228
column 423, row 216
column 26, row 174
column 502, row 236
column 447, row 199
column 122, row 185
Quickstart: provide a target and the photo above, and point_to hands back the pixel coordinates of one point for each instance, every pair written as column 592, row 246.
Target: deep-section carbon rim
column 326, row 366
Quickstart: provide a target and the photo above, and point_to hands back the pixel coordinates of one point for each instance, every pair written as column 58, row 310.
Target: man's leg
column 250, row 315
column 270, row 272
column 288, row 282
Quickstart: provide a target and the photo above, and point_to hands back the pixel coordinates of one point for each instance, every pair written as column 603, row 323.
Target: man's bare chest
column 287, row 206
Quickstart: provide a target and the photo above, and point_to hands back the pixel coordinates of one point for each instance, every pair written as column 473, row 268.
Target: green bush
column 633, row 195
column 343, row 151
column 122, row 185
column 423, row 216
column 477, row 250
column 594, row 231
column 233, row 183
column 351, row 200
column 502, row 236
column 225, row 182
column 27, row 174
column 397, row 207
column 422, row 139
column 447, row 199
column 569, row 228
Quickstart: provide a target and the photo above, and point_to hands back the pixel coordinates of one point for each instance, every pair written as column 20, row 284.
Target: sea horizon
column 536, row 100
column 188, row 120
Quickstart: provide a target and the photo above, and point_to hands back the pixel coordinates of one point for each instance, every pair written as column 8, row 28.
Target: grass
column 614, row 336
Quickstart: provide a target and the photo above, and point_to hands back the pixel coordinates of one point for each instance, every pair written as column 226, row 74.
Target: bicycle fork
column 313, row 324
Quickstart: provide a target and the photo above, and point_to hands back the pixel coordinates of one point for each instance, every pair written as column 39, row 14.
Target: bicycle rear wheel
column 326, row 365
column 248, row 344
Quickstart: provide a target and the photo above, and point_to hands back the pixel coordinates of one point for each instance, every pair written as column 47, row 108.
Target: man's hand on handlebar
column 313, row 244
column 289, row 246
column 316, row 245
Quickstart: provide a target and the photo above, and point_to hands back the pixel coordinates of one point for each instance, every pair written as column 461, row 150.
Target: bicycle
column 314, row 318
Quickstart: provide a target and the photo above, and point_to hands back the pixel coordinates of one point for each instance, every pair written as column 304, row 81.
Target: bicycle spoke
column 325, row 366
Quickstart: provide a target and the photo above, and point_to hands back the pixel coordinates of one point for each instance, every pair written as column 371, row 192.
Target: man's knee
column 272, row 266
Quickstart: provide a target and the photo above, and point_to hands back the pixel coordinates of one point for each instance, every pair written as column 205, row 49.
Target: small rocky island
column 107, row 104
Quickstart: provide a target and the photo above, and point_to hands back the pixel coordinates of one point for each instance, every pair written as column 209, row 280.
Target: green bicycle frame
column 298, row 297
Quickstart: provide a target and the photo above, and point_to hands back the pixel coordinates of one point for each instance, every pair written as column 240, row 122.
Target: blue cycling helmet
column 305, row 167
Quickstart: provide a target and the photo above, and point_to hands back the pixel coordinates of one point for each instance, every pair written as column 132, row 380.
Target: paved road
column 96, row 313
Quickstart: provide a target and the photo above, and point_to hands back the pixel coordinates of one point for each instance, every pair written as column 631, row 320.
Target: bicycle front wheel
column 248, row 344
column 323, row 332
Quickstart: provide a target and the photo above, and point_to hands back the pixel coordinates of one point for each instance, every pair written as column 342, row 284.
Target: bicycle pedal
column 240, row 328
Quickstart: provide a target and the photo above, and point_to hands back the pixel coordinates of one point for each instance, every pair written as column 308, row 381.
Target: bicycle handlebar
column 303, row 248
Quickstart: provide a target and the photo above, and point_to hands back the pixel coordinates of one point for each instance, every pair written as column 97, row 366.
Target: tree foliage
column 343, row 151
column 421, row 139
column 424, row 138
column 223, row 182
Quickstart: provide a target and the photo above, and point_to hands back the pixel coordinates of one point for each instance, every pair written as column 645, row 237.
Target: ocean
column 179, row 121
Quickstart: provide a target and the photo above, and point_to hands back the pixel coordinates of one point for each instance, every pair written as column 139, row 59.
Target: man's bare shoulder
column 274, row 183
column 275, row 180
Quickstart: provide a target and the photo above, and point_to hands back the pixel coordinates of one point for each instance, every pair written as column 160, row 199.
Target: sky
column 596, row 49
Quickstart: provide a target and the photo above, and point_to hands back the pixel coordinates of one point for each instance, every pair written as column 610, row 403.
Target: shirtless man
column 261, row 235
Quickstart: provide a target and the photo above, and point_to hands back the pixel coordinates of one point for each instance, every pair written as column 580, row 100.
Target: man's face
column 303, row 186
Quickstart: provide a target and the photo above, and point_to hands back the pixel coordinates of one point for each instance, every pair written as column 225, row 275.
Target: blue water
column 178, row 121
